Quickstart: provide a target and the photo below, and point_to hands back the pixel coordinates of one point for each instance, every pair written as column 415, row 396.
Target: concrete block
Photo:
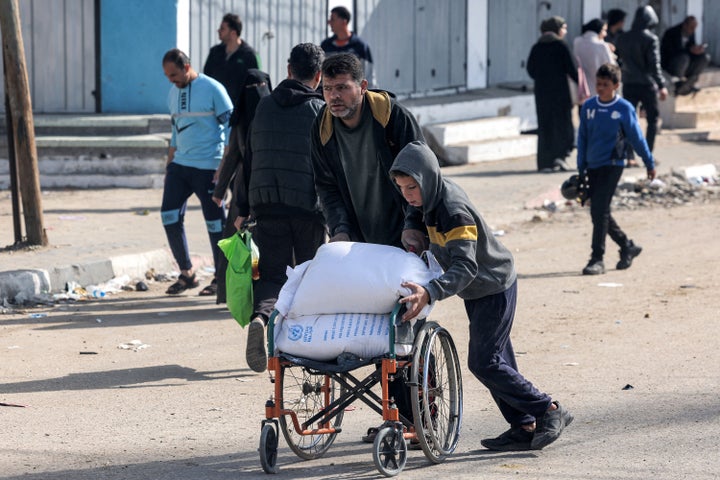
column 698, row 174
column 474, row 152
column 475, row 130
column 135, row 265
column 19, row 286
column 87, row 273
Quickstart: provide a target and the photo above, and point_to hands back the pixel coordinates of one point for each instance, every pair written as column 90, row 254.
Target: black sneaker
column 550, row 426
column 255, row 354
column 594, row 267
column 627, row 254
column 513, row 440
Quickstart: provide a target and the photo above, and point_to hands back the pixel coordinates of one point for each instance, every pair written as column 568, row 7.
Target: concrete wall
column 134, row 36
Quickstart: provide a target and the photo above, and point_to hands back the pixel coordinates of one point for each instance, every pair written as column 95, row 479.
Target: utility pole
column 18, row 92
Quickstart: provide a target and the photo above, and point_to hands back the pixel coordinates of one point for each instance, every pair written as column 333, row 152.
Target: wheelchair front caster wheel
column 268, row 449
column 390, row 451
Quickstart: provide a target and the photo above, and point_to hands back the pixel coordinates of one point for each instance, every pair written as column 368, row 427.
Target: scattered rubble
column 690, row 185
column 669, row 190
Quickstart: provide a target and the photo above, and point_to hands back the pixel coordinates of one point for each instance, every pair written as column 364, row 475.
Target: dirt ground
column 633, row 354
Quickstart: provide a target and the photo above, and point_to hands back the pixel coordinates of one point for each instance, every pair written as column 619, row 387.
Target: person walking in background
column 343, row 40
column 229, row 62
column 200, row 109
column 682, row 57
column 639, row 52
column 607, row 122
column 615, row 25
column 281, row 194
column 550, row 64
column 592, row 51
column 480, row 270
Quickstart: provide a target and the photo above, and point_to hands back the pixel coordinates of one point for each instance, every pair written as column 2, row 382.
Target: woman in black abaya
column 550, row 64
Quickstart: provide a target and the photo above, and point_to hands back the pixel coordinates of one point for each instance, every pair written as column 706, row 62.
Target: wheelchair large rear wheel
column 306, row 393
column 436, row 392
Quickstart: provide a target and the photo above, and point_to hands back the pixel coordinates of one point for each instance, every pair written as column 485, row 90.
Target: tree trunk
column 22, row 119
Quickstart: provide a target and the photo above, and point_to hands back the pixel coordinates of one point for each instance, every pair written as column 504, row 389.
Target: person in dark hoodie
column 550, row 63
column 281, row 191
column 639, row 52
column 480, row 270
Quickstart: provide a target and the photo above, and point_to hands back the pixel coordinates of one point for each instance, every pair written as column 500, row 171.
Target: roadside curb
column 19, row 286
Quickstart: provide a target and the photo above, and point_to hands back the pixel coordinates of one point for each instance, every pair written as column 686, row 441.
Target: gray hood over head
column 418, row 161
column 476, row 264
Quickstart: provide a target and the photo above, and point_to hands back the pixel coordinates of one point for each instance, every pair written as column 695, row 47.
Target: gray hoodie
column 476, row 264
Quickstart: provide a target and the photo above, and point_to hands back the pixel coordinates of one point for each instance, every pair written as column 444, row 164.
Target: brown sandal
column 183, row 283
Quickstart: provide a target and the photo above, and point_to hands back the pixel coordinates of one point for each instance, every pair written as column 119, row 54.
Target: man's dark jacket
column 672, row 45
column 639, row 50
column 394, row 127
column 278, row 163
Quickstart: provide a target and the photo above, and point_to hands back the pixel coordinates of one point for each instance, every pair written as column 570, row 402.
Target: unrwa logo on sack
column 295, row 333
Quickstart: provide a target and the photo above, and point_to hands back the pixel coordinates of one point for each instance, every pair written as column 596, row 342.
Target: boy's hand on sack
column 414, row 302
column 414, row 241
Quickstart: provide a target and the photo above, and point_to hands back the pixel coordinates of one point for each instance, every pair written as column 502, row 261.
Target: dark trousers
column 688, row 66
column 180, row 183
column 602, row 182
column 645, row 95
column 556, row 136
column 230, row 175
column 282, row 242
column 492, row 360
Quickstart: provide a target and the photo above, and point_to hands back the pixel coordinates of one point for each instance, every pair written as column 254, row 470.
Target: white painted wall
column 477, row 43
column 591, row 9
column 695, row 7
column 183, row 27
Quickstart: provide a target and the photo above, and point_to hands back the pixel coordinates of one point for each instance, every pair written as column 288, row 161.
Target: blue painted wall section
column 134, row 36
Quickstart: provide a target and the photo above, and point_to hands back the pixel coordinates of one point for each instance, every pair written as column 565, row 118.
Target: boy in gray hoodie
column 480, row 270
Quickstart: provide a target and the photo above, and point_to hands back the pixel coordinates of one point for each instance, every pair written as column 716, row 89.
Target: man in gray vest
column 281, row 193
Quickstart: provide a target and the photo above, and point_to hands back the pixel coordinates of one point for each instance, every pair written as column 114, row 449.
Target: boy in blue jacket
column 480, row 270
column 607, row 122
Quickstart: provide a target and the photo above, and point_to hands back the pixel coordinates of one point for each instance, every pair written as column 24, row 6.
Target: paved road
column 186, row 406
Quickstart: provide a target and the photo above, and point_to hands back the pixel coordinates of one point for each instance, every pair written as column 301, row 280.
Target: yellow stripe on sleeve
column 465, row 232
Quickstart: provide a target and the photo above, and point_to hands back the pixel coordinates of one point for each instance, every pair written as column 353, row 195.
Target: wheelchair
column 310, row 398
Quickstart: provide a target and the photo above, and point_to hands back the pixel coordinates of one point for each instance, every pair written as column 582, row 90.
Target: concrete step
column 100, row 146
column 479, row 140
column 490, row 150
column 709, row 78
column 100, row 124
column 700, row 118
column 707, row 97
column 95, row 172
column 475, row 130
